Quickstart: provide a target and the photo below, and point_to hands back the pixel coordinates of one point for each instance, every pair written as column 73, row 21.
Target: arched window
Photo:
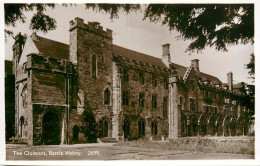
column 21, row 125
column 141, row 127
column 154, row 127
column 126, row 127
column 24, row 95
column 94, row 66
column 107, row 97
column 103, row 127
column 75, row 133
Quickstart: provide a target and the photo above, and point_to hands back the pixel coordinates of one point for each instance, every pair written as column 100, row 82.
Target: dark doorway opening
column 126, row 127
column 103, row 128
column 51, row 129
column 75, row 133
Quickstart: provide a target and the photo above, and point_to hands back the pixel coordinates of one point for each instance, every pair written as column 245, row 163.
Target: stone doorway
column 103, row 127
column 126, row 127
column 51, row 129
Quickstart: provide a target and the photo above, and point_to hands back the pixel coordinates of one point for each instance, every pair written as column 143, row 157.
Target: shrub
column 89, row 127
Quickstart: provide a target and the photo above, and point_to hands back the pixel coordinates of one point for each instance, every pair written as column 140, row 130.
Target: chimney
column 166, row 58
column 230, row 80
column 195, row 64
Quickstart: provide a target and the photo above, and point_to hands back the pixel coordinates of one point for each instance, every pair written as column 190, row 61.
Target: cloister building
column 132, row 94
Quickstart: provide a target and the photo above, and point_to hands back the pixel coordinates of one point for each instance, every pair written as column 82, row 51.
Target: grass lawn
column 243, row 145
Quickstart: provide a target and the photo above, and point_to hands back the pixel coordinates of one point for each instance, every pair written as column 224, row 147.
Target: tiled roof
column 211, row 78
column 8, row 67
column 182, row 70
column 54, row 49
column 118, row 50
column 51, row 48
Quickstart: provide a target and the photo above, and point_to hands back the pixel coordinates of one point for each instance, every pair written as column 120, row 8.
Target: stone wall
column 198, row 122
column 134, row 87
column 91, row 41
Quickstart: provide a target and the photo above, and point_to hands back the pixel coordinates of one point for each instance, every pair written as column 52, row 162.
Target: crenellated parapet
column 48, row 64
column 94, row 27
column 139, row 65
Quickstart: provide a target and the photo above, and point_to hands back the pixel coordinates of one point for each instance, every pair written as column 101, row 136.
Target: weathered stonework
column 131, row 95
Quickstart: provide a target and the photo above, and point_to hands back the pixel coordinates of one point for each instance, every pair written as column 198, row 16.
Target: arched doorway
column 103, row 127
column 75, row 133
column 51, row 129
column 184, row 131
column 141, row 127
column 126, row 127
column 226, row 126
column 21, row 126
column 194, row 125
column 233, row 126
column 203, row 125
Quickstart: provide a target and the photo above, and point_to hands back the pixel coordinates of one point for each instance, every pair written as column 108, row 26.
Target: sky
column 132, row 32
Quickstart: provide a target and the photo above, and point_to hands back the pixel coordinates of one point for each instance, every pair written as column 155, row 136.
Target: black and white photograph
column 129, row 81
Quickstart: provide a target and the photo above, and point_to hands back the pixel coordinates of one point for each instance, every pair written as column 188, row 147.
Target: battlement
column 48, row 64
column 90, row 26
column 139, row 65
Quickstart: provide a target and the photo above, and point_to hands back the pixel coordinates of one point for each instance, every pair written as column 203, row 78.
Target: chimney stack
column 166, row 58
column 195, row 64
column 230, row 80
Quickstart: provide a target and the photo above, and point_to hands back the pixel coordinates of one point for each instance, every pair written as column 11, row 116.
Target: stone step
column 108, row 140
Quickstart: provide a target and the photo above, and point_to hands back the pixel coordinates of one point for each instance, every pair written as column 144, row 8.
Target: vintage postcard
column 141, row 81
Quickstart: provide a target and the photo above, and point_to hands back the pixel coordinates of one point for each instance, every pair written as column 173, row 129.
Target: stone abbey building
column 132, row 94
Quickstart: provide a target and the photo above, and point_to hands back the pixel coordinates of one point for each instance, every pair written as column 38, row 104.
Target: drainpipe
column 68, row 111
column 67, row 101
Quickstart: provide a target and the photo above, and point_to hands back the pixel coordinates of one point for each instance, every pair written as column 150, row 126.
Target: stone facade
column 132, row 95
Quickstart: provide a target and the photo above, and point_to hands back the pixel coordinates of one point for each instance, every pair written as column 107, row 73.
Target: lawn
column 243, row 146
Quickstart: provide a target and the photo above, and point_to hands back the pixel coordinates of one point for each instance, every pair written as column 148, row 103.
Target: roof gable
column 51, row 48
column 29, row 48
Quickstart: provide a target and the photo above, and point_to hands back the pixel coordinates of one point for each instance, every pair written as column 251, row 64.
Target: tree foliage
column 247, row 97
column 90, row 126
column 251, row 66
column 214, row 25
column 39, row 21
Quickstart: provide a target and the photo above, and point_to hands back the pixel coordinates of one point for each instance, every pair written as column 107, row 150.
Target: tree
column 217, row 25
column 90, row 126
column 214, row 25
column 251, row 66
column 39, row 22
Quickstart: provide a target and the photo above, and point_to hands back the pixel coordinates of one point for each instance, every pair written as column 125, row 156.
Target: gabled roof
column 182, row 70
column 118, row 50
column 51, row 48
column 8, row 67
column 58, row 50
column 211, row 78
